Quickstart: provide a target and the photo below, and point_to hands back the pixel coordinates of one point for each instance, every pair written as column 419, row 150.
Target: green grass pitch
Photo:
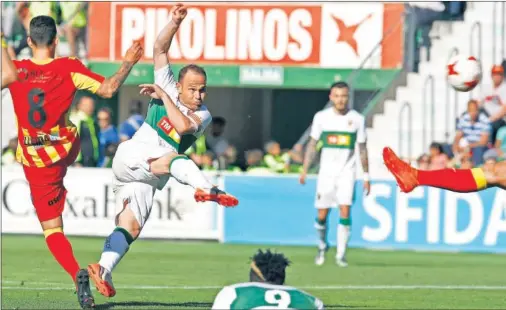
column 187, row 275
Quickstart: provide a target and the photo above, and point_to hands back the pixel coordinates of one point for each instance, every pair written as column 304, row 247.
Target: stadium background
column 393, row 55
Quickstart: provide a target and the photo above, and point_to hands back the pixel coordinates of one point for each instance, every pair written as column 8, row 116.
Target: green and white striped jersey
column 256, row 295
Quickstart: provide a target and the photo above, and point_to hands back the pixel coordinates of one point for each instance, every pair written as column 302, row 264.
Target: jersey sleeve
column 164, row 77
column 84, row 78
column 316, row 127
column 224, row 299
column 201, row 119
column 361, row 133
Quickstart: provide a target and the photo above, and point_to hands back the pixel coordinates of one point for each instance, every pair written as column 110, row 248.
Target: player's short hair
column 42, row 30
column 191, row 67
column 339, row 84
column 268, row 267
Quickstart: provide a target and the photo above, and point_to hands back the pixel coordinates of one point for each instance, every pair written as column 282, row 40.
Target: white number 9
column 280, row 298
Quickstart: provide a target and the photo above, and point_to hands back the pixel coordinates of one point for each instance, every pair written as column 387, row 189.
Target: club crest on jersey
column 165, row 125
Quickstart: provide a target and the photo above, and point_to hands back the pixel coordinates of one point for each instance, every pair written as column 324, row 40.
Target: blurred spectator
column 110, row 151
column 466, row 161
column 423, row 162
column 454, row 10
column 296, row 159
column 255, row 163
column 8, row 17
column 108, row 133
column 274, row 159
column 74, row 24
column 88, row 131
column 490, row 158
column 425, row 13
column 197, row 149
column 494, row 100
column 500, row 142
column 230, row 157
column 473, row 131
column 209, row 163
column 129, row 127
column 215, row 139
column 9, row 153
column 438, row 159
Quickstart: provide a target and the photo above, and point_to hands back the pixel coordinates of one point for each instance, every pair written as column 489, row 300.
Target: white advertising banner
column 90, row 207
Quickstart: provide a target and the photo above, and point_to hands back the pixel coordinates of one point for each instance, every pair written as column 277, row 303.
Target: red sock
column 61, row 248
column 457, row 180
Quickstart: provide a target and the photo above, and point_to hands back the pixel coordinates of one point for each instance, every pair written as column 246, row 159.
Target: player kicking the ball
column 266, row 289
column 176, row 117
column 48, row 141
column 339, row 129
column 456, row 180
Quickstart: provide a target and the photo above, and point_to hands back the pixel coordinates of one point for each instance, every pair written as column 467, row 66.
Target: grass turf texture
column 187, row 275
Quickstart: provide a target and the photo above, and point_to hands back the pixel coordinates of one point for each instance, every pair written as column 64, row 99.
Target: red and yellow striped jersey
column 42, row 98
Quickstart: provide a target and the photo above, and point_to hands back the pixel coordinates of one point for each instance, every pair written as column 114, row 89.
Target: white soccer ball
column 463, row 72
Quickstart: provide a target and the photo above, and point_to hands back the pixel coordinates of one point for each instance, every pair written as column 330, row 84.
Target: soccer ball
column 463, row 72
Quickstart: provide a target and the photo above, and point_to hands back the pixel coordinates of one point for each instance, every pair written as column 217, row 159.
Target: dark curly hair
column 268, row 267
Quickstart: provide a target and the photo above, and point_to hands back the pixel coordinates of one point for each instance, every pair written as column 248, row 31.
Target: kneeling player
column 143, row 164
column 265, row 289
column 456, row 180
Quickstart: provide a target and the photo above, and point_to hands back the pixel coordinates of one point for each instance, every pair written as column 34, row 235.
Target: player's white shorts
column 131, row 161
column 333, row 191
column 138, row 197
column 134, row 184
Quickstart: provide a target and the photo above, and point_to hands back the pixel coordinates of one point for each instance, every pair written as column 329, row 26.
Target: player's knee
column 322, row 214
column 161, row 166
column 129, row 222
column 344, row 212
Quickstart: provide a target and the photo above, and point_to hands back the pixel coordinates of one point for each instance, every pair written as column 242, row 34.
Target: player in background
column 176, row 117
column 266, row 289
column 340, row 130
column 9, row 74
column 48, row 141
column 456, row 180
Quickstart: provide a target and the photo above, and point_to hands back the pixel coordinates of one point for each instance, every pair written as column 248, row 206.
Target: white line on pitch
column 313, row 287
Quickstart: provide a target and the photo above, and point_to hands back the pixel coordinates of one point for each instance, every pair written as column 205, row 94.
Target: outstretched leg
column 457, row 180
column 186, row 172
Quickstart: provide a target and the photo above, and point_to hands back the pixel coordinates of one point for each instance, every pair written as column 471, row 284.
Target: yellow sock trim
column 479, row 178
column 50, row 231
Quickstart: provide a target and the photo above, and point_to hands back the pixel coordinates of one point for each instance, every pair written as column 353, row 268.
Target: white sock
column 343, row 235
column 115, row 247
column 186, row 172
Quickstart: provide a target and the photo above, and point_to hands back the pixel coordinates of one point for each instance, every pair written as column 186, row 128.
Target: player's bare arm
column 112, row 84
column 164, row 39
column 308, row 159
column 364, row 159
column 181, row 122
column 9, row 73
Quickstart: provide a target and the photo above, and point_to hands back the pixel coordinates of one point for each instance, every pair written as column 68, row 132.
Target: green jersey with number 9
column 256, row 295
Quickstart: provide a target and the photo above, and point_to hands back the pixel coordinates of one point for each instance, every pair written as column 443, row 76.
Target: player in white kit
column 340, row 130
column 176, row 118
